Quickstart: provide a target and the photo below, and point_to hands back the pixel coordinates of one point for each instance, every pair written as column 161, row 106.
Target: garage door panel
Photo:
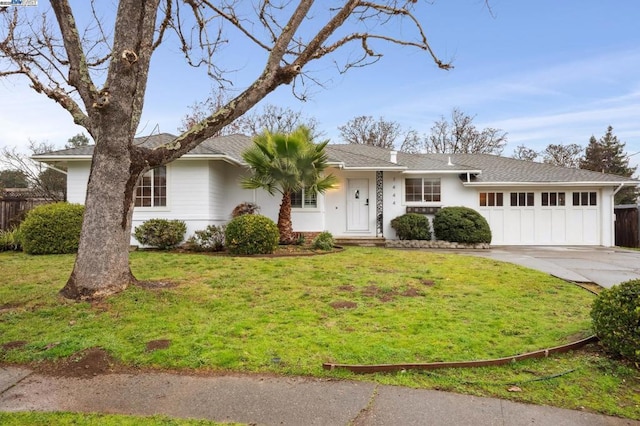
column 558, row 226
column 528, row 226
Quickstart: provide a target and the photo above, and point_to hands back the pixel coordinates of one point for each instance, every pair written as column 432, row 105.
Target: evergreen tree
column 607, row 155
column 76, row 141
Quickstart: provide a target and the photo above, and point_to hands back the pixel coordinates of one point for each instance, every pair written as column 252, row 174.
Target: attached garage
column 543, row 217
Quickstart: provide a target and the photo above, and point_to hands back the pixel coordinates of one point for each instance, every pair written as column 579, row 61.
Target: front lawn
column 289, row 315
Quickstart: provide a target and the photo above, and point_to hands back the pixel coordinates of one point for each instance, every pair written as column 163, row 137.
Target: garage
column 543, row 217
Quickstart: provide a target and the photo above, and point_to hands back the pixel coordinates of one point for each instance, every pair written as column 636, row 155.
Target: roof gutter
column 441, row 172
column 373, row 169
column 556, row 184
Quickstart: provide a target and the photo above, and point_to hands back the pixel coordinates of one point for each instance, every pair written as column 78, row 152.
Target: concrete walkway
column 605, row 266
column 267, row 400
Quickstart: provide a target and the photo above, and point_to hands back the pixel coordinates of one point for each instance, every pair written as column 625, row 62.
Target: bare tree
column 47, row 182
column 200, row 110
column 411, row 143
column 365, row 130
column 276, row 119
column 523, row 153
column 460, row 135
column 563, row 155
column 98, row 72
column 272, row 118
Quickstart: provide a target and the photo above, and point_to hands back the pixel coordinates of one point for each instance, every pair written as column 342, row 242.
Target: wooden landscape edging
column 386, row 368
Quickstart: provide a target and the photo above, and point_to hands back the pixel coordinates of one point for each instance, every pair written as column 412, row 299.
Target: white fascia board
column 555, row 184
column 45, row 158
column 441, row 172
column 225, row 158
column 376, row 169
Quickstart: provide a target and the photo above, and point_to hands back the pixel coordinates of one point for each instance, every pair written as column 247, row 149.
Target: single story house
column 525, row 203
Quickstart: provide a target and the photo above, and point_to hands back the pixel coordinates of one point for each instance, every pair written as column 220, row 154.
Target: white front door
column 357, row 204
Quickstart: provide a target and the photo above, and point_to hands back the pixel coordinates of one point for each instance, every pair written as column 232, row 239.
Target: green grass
column 77, row 419
column 278, row 315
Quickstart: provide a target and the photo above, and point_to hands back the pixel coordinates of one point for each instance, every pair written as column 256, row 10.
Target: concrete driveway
column 605, row 266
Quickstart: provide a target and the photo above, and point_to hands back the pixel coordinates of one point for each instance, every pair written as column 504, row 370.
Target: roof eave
column 374, row 169
column 556, row 184
column 441, row 171
column 45, row 158
column 226, row 158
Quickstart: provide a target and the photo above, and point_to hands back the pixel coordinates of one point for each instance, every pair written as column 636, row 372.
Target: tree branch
column 79, row 76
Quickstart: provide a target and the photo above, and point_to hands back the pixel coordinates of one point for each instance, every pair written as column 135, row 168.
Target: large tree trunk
column 284, row 220
column 102, row 265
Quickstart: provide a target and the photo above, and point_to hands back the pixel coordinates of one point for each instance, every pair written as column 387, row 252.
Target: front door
column 357, row 204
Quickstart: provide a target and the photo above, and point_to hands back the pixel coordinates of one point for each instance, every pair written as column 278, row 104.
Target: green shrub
column 461, row 225
column 245, row 208
column 251, row 234
column 52, row 229
column 9, row 240
column 323, row 241
column 160, row 233
column 412, row 226
column 209, row 239
column 616, row 319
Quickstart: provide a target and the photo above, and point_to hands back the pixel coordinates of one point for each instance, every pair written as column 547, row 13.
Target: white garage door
column 542, row 217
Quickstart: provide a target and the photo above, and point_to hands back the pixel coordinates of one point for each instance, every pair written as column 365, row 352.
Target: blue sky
column 544, row 71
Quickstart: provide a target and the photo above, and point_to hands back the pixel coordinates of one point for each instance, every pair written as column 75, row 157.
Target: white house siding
column 77, row 180
column 451, row 189
column 335, row 205
column 187, row 197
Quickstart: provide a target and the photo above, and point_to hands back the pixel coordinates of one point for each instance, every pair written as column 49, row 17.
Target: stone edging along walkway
column 431, row 244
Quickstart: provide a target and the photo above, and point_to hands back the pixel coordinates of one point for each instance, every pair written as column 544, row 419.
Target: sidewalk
column 268, row 400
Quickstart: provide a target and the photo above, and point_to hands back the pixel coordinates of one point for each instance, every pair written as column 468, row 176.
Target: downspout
column 613, row 214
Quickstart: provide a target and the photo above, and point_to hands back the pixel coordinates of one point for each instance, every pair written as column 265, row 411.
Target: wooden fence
column 627, row 226
column 13, row 208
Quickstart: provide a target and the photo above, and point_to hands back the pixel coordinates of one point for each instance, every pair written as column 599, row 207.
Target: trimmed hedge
column 52, row 229
column 323, row 241
column 251, row 234
column 209, row 239
column 461, row 225
column 160, row 233
column 412, row 226
column 616, row 319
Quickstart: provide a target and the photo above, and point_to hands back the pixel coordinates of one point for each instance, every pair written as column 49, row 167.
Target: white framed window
column 585, row 198
column 522, row 199
column 152, row 188
column 491, row 199
column 422, row 190
column 304, row 200
column 553, row 199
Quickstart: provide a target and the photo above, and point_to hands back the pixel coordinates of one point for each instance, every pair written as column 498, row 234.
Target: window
column 422, row 189
column 304, row 200
column 522, row 199
column 553, row 199
column 585, row 199
column 491, row 199
column 152, row 188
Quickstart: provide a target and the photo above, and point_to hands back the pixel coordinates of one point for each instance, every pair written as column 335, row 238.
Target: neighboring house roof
column 474, row 169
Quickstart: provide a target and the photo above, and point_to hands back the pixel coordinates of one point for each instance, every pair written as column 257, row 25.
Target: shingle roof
column 502, row 169
column 493, row 169
column 361, row 156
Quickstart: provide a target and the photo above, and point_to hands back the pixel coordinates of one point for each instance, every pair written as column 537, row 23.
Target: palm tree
column 287, row 163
